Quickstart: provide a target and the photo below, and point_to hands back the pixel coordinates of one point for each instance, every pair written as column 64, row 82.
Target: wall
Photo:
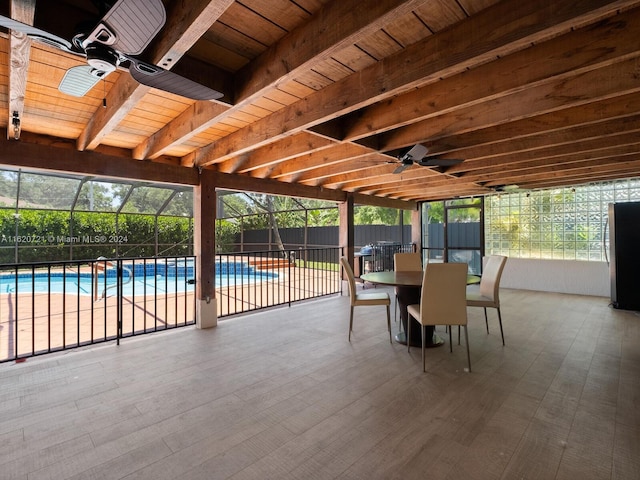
column 562, row 276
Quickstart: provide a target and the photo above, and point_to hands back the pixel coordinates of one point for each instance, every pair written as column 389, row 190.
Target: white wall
column 562, row 276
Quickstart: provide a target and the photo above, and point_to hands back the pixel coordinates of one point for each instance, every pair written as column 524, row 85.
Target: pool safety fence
column 257, row 280
column 56, row 306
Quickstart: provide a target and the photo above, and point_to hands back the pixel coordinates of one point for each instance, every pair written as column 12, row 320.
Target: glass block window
column 564, row 223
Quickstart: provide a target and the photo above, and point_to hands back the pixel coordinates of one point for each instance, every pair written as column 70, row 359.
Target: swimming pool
column 138, row 279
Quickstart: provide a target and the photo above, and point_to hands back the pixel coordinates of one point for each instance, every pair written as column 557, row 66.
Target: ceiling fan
column 418, row 155
column 123, row 32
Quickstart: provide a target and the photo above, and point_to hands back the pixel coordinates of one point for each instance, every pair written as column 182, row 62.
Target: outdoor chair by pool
column 442, row 302
column 364, row 299
column 487, row 295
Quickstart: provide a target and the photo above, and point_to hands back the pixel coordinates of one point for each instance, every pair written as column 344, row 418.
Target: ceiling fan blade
column 402, row 167
column 156, row 77
column 129, row 25
column 79, row 80
column 439, row 162
column 37, row 34
column 417, row 152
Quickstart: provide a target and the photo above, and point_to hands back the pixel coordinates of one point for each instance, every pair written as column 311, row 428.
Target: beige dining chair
column 487, row 294
column 442, row 302
column 405, row 262
column 364, row 299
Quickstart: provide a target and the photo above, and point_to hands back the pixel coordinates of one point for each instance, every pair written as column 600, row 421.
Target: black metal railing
column 49, row 307
column 254, row 280
column 55, row 306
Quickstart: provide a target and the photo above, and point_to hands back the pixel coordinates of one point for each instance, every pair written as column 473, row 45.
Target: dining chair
column 487, row 294
column 405, row 262
column 364, row 299
column 442, row 302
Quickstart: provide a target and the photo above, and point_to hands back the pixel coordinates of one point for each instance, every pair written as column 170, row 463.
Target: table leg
column 410, row 296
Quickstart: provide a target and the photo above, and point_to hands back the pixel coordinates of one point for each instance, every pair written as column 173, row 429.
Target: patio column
column 346, row 229
column 204, row 214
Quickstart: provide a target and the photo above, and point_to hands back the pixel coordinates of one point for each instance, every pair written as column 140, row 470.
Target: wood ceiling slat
column 472, row 7
column 379, row 45
column 354, row 58
column 217, row 55
column 283, row 13
column 555, row 107
column 239, row 47
column 332, row 70
column 259, row 29
column 407, row 29
column 440, row 14
column 479, row 38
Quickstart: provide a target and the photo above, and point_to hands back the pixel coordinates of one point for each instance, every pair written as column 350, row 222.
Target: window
column 564, row 223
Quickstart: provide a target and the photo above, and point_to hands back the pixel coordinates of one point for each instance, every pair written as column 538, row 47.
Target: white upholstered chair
column 364, row 299
column 487, row 294
column 442, row 302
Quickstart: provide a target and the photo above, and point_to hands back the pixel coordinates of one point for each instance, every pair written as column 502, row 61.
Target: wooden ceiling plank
column 290, row 147
column 502, row 29
column 605, row 129
column 337, row 26
column 578, row 149
column 596, row 114
column 281, row 64
column 559, row 170
column 566, row 55
column 590, row 86
column 184, row 126
column 328, row 156
column 186, row 24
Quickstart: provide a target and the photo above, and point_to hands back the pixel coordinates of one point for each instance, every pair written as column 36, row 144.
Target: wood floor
column 282, row 394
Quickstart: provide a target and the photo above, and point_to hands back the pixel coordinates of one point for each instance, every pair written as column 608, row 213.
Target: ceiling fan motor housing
column 102, row 58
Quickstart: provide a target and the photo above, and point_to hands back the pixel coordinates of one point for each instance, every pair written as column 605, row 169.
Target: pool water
column 138, row 279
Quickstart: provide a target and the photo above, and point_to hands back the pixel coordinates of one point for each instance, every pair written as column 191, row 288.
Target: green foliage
column 50, row 235
column 226, row 232
column 368, row 215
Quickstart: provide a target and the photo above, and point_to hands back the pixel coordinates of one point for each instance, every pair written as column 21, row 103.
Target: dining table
column 408, row 286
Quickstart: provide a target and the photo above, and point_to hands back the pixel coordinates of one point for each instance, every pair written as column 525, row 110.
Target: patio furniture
column 442, row 302
column 364, row 299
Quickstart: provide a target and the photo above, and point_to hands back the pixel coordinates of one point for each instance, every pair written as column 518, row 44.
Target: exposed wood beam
column 629, row 163
column 274, row 187
column 19, row 49
column 274, row 153
column 347, row 20
column 63, row 157
column 328, row 156
column 499, row 30
column 186, row 125
column 565, row 56
column 590, row 86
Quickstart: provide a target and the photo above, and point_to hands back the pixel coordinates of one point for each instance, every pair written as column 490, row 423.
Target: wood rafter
column 323, row 97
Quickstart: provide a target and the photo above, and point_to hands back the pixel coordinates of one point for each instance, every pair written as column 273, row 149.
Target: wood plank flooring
column 281, row 394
